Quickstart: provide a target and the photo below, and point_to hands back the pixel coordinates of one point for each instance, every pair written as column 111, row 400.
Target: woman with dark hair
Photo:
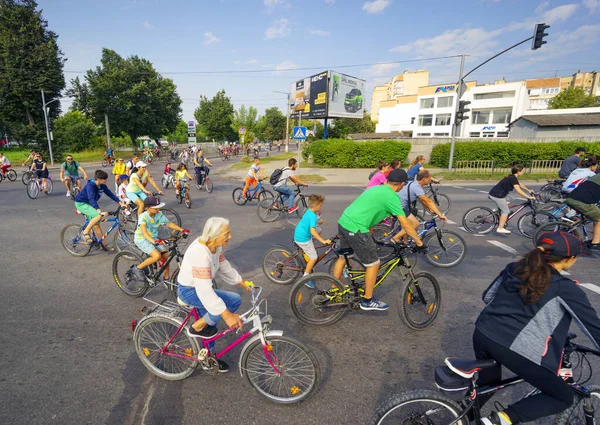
column 586, row 169
column 380, row 177
column 524, row 326
column 394, row 165
column 500, row 194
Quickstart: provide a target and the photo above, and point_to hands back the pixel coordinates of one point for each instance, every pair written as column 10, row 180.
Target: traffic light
column 462, row 110
column 538, row 36
column 50, row 125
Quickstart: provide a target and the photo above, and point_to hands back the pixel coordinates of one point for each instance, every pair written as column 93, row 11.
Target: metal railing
column 478, row 166
column 544, row 165
column 490, row 167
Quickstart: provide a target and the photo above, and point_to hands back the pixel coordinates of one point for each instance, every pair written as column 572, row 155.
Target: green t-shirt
column 375, row 204
column 71, row 169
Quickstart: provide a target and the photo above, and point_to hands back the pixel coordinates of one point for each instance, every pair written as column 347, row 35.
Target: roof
column 561, row 120
column 543, row 82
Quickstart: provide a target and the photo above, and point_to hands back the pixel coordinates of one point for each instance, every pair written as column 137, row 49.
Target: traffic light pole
column 44, row 104
column 458, row 95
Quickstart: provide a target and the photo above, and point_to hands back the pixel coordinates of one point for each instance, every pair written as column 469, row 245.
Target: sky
column 209, row 45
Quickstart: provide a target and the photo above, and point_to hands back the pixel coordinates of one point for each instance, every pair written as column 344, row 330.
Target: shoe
column 373, row 305
column 595, row 246
column 503, row 231
column 293, row 209
column 275, row 207
column 68, row 193
column 496, row 418
column 139, row 274
column 206, row 333
column 310, row 284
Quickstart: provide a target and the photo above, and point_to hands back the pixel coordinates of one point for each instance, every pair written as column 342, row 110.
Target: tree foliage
column 573, row 97
column 137, row 99
column 74, row 132
column 272, row 125
column 215, row 117
column 245, row 117
column 80, row 92
column 342, row 127
column 180, row 134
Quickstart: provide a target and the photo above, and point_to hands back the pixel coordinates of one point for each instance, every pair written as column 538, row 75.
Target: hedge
column 506, row 154
column 342, row 153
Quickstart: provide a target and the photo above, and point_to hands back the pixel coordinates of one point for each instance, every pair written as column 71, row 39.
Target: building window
column 412, row 120
column 501, row 116
column 442, row 119
column 427, row 103
column 424, row 134
column 551, row 90
column 441, row 134
column 425, row 120
column 444, row 102
column 481, row 117
column 498, row 95
column 488, row 134
column 502, row 134
column 474, row 134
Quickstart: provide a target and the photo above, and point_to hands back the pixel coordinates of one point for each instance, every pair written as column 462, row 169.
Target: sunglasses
column 69, row 159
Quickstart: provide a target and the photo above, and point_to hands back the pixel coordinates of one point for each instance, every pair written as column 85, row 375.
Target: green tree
column 137, row 99
column 180, row 134
column 273, row 124
column 74, row 132
column 573, row 97
column 80, row 92
column 342, row 127
column 215, row 117
column 245, row 118
column 30, row 61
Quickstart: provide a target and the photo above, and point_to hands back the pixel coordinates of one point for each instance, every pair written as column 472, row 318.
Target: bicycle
column 330, row 298
column 106, row 161
column 207, row 182
column 483, row 220
column 35, row 186
column 259, row 192
column 129, row 217
column 184, row 193
column 577, row 225
column 552, row 190
column 283, row 266
column 9, row 174
column 74, row 242
column 432, row 407
column 224, row 156
column 168, row 180
column 441, row 201
column 270, row 209
column 74, row 190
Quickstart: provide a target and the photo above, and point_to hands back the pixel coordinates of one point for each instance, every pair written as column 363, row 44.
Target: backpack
column 276, row 176
column 372, row 174
column 412, row 205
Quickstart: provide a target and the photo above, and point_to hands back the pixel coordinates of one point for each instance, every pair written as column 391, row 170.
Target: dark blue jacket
column 91, row 193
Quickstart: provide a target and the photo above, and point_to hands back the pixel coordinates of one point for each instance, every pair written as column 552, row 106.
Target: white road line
column 457, row 187
column 450, row 221
column 463, row 229
column 591, row 287
column 468, row 188
column 504, row 247
column 564, row 273
column 466, row 231
column 483, row 191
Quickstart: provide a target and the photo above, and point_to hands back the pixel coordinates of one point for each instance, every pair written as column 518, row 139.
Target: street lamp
column 44, row 105
column 287, row 122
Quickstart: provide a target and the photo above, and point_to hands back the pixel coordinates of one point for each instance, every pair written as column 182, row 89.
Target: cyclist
column 123, row 181
column 500, row 195
column 203, row 261
column 4, row 164
column 380, row 177
column 168, row 170
column 86, row 202
column 108, row 154
column 287, row 194
column 136, row 192
column 524, row 326
column 180, row 174
column 354, row 228
column 131, row 164
column 251, row 178
column 146, row 236
column 118, row 170
column 585, row 199
column 571, row 163
column 41, row 170
column 199, row 166
column 31, row 158
column 587, row 168
column 69, row 173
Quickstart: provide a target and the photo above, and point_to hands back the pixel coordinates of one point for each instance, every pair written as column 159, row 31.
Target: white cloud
column 148, row 25
column 559, row 14
column 247, row 62
column 210, row 38
column 329, row 1
column 319, row 33
column 271, row 3
column 592, row 5
column 381, row 69
column 563, row 43
column 279, row 29
column 376, row 6
column 542, row 6
column 285, row 65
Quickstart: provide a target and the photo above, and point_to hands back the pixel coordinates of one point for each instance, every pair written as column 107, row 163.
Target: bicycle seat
column 467, row 368
column 446, row 380
column 183, row 304
column 559, row 181
column 344, row 251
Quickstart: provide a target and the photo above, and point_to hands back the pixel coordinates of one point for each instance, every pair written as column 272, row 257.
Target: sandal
column 87, row 239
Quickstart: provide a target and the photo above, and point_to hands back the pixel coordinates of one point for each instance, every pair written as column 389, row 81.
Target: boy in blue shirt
column 306, row 230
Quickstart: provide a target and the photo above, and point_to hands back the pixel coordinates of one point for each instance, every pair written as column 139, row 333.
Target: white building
column 398, row 119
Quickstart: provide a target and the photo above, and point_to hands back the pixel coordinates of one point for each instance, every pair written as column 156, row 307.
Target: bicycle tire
column 436, row 252
column 148, row 346
column 70, row 236
column 131, row 259
column 208, row 185
column 549, row 192
column 238, row 199
column 165, row 182
column 300, row 372
column 11, row 175
column 556, row 226
column 173, row 285
column 410, row 299
column 443, row 203
column 1, row 178
column 104, row 163
column 33, row 190
column 267, row 211
column 49, row 185
column 179, row 198
column 124, row 240
column 381, row 231
column 480, row 220
column 328, row 284
column 274, row 265
column 172, row 215
column 529, row 222
column 566, row 417
column 26, row 178
column 265, row 194
column 388, row 412
column 302, row 207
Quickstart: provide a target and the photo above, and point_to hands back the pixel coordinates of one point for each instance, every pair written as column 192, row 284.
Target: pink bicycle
column 280, row 368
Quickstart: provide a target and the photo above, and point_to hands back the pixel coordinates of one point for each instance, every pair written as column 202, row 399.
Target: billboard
column 309, row 96
column 346, row 96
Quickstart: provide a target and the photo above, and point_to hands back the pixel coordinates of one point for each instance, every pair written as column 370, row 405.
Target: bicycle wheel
column 26, row 178
column 124, row 240
column 418, row 407
column 529, row 222
column 297, row 376
column 208, row 185
column 549, row 192
column 11, row 175
column 268, row 211
column 74, row 192
column 302, row 207
column 33, row 190
column 442, row 201
column 381, row 232
column 480, row 220
column 237, row 196
column 322, row 305
column 446, row 249
column 555, row 226
column 173, row 286
column 188, row 201
column 345, row 278
column 104, row 163
column 282, row 266
column 179, row 198
column 421, row 301
column 575, row 414
column 71, row 237
column 265, row 194
column 122, row 268
column 165, row 182
column 150, row 337
column 171, row 215
column 49, row 185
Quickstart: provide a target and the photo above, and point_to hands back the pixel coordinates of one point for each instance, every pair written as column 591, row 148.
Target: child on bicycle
column 168, row 170
column 180, row 174
column 306, row 230
column 251, row 178
column 146, row 236
column 123, row 181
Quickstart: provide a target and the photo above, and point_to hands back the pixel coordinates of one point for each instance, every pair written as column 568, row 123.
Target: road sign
column 299, row 133
column 191, row 140
column 191, row 124
column 242, row 130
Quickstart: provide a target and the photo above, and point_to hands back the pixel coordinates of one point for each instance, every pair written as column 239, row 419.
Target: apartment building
column 406, row 84
column 541, row 90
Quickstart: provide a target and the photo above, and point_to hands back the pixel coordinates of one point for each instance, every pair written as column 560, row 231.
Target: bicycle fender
column 250, row 341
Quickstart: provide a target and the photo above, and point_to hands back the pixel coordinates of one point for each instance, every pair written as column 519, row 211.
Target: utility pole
column 107, row 130
column 287, row 122
column 299, row 125
column 459, row 93
column 44, row 104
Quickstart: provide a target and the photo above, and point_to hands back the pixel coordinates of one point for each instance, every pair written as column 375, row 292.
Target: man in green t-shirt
column 69, row 173
column 354, row 228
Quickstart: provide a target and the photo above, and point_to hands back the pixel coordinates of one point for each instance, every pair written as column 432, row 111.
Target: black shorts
column 362, row 244
column 42, row 174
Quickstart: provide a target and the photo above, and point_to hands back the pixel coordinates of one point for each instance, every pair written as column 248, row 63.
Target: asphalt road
column 67, row 351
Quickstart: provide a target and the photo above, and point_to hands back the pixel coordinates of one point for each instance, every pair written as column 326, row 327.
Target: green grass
column 265, row 160
column 494, row 177
column 312, row 178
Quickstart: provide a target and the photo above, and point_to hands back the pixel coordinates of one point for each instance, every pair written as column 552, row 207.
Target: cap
column 561, row 244
column 153, row 202
column 123, row 176
column 140, row 164
column 397, row 176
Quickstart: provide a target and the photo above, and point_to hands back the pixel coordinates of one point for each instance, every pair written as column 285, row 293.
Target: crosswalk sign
column 299, row 133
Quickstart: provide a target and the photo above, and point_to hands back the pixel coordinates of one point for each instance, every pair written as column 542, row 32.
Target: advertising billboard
column 346, row 96
column 309, row 96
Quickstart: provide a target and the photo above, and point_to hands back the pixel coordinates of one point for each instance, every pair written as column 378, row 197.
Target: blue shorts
column 146, row 247
column 135, row 196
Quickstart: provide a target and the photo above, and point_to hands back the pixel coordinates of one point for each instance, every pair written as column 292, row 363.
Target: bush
column 506, row 154
column 341, row 153
column 245, row 158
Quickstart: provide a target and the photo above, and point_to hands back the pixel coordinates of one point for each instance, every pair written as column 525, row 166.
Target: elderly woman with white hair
column 202, row 262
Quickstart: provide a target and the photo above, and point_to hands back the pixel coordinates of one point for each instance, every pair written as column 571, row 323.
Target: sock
column 305, row 274
column 504, row 419
column 367, row 300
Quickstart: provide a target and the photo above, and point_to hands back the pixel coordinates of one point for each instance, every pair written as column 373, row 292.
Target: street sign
column 191, row 124
column 191, row 140
column 462, row 88
column 242, row 130
column 299, row 133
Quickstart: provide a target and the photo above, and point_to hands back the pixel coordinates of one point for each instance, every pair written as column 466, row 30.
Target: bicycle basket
column 446, row 380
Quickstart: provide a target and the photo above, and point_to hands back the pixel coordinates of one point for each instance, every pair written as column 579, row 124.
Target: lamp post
column 44, row 105
column 287, row 121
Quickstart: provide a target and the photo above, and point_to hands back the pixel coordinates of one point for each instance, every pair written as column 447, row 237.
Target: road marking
column 564, row 273
column 147, row 404
column 591, row 287
column 504, row 247
column 457, row 187
column 483, row 191
column 466, row 231
column 450, row 221
column 468, row 188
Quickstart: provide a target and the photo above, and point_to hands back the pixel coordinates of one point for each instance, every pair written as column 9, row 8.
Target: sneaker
column 310, row 284
column 206, row 333
column 68, row 193
column 503, row 231
column 223, row 367
column 293, row 209
column 496, row 418
column 595, row 246
column 139, row 274
column 275, row 206
column 373, row 305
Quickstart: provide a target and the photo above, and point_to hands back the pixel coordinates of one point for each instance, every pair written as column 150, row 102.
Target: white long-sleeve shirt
column 199, row 267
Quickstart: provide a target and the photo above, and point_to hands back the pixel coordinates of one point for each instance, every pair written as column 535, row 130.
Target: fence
column 489, row 167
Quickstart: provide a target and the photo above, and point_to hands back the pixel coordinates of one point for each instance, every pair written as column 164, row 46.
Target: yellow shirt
column 119, row 168
column 180, row 174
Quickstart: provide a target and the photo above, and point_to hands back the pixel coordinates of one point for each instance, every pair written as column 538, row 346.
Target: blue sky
column 277, row 37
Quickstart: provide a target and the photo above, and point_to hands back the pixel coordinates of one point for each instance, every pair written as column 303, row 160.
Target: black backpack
column 276, row 176
column 372, row 174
